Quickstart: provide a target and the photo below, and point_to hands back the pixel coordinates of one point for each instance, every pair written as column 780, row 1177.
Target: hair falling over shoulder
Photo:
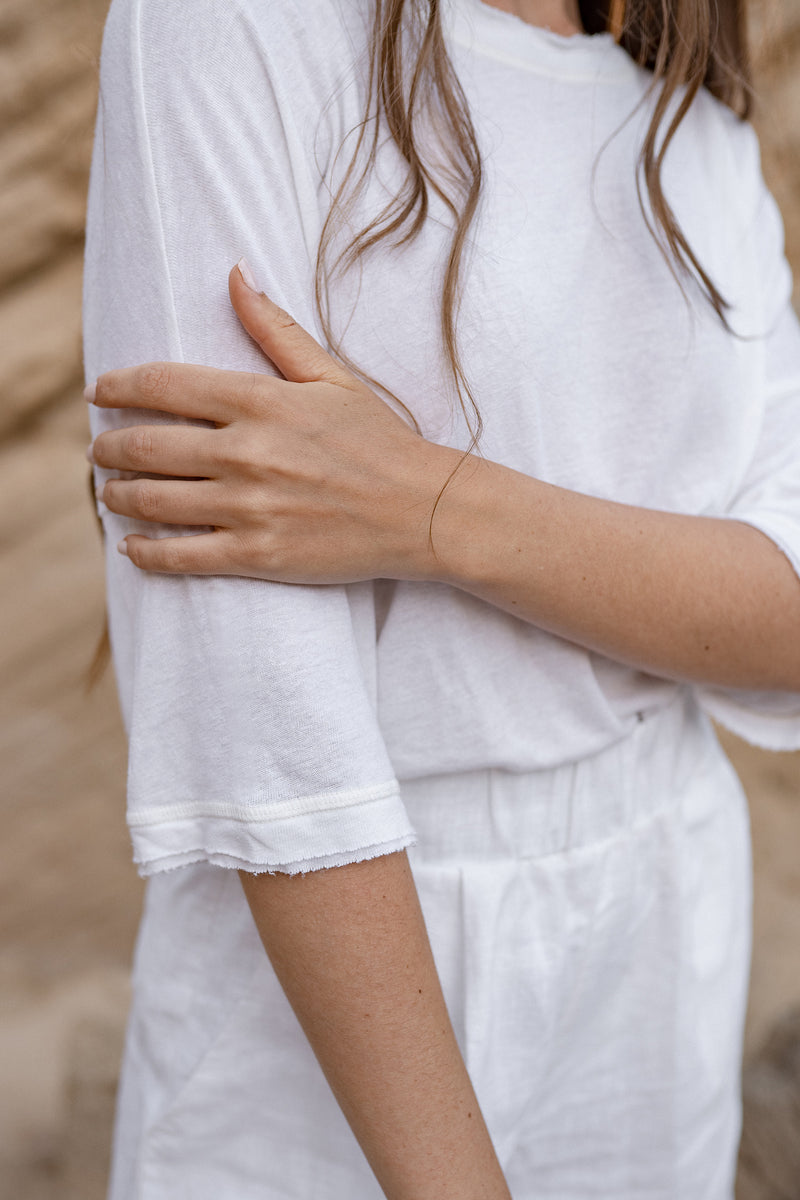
column 685, row 44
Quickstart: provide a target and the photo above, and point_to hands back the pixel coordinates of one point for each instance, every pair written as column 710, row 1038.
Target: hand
column 307, row 479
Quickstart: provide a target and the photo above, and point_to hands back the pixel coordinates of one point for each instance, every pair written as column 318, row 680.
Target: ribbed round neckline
column 507, row 37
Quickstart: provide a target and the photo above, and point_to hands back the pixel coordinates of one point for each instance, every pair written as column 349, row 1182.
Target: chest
column 590, row 367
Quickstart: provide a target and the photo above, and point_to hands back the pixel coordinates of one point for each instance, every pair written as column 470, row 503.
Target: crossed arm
column 313, row 479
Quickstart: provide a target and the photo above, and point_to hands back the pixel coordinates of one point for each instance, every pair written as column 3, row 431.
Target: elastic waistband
column 479, row 814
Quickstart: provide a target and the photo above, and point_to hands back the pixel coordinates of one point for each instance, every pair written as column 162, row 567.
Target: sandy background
column 69, row 896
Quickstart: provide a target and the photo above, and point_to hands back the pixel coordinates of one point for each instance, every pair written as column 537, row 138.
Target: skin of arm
column 351, row 951
column 314, row 479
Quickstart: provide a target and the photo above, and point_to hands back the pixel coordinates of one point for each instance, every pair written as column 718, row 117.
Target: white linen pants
column 591, row 927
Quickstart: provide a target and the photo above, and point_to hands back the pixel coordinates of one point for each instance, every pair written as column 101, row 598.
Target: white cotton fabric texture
column 591, row 928
column 269, row 724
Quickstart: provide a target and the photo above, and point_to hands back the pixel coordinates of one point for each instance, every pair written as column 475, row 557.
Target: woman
column 528, row 638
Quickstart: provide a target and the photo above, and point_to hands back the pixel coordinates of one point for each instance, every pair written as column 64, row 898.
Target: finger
column 297, row 355
column 169, row 502
column 185, row 389
column 198, row 554
column 158, row 450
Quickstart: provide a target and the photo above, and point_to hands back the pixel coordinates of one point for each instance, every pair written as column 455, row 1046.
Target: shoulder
column 220, row 35
column 731, row 147
column 745, row 208
column 714, row 163
column 224, row 68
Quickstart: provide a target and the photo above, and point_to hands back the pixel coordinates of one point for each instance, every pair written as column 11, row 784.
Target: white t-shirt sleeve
column 769, row 495
column 249, row 706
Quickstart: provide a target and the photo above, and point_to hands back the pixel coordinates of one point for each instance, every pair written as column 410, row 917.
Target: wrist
column 417, row 505
column 452, row 544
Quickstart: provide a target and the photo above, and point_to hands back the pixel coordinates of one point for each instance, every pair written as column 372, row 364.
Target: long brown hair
column 686, row 44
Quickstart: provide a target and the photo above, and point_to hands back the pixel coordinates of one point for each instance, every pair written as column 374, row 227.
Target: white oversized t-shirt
column 268, row 724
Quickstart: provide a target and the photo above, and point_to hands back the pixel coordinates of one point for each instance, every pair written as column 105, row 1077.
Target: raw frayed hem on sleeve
column 301, row 867
column 287, row 837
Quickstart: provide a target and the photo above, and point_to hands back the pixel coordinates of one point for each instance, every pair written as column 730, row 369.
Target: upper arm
column 250, row 712
column 768, row 495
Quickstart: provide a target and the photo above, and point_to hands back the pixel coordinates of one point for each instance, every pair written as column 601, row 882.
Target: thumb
column 296, row 354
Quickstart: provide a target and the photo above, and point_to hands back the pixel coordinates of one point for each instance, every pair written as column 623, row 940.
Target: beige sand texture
column 69, row 896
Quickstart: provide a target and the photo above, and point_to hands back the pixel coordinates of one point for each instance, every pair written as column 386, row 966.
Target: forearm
column 351, row 951
column 691, row 598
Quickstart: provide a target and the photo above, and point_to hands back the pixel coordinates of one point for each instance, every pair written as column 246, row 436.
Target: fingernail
column 90, row 392
column 247, row 275
column 122, row 547
column 89, row 449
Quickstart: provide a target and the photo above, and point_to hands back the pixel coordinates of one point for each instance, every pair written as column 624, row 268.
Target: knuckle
column 284, row 320
column 254, row 547
column 229, row 451
column 153, row 380
column 253, row 503
column 248, row 464
column 250, row 397
column 144, row 498
column 174, row 556
column 139, row 447
column 244, row 455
